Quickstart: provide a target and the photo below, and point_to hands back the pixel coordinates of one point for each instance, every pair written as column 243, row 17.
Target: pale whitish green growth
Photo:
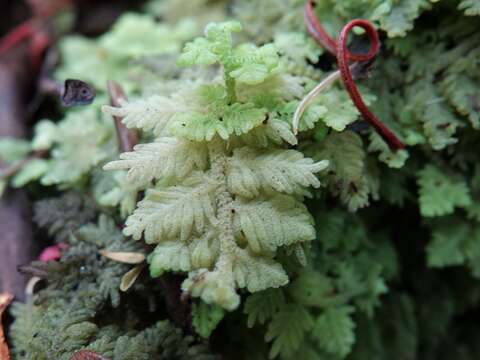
column 222, row 194
column 337, row 109
column 112, row 189
column 298, row 46
column 133, row 36
column 76, row 145
column 307, row 100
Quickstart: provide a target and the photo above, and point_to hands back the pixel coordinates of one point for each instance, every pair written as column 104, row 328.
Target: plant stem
column 225, row 210
column 127, row 138
column 230, row 84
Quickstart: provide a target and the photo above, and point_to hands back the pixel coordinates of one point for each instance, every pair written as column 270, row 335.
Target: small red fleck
column 53, row 252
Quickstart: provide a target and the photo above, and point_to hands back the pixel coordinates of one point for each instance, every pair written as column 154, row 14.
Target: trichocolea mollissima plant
column 223, row 190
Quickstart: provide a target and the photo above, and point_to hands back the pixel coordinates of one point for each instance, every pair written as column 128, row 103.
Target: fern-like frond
column 112, row 189
column 169, row 256
column 262, row 305
column 281, row 85
column 334, row 330
column 340, row 111
column 82, row 141
column 165, row 158
column 449, row 241
column 213, row 287
column 347, row 175
column 285, row 171
column 273, row 222
column 153, row 113
column 287, row 330
column 200, row 252
column 271, row 131
column 257, row 273
column 311, row 288
column 174, row 211
column 440, row 193
column 211, row 114
column 254, row 273
column 235, row 119
column 394, row 160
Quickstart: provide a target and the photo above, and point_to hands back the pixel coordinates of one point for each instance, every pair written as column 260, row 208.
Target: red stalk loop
column 32, row 32
column 344, row 57
column 18, row 34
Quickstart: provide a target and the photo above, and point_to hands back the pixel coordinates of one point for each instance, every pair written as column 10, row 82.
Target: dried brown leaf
column 5, row 300
column 124, row 257
column 130, row 277
column 87, row 355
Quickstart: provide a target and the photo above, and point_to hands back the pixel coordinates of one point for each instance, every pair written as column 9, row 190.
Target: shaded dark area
column 16, row 239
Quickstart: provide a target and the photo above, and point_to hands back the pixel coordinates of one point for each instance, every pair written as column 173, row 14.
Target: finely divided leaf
column 287, row 330
column 165, row 158
column 286, row 171
column 269, row 223
column 263, row 305
column 440, row 192
column 175, row 211
column 153, row 113
column 334, row 329
column 256, row 273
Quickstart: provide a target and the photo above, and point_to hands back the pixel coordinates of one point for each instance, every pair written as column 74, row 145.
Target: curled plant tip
column 5, row 301
column 76, row 92
column 130, row 277
column 30, row 288
column 357, row 70
column 308, row 99
column 127, row 138
column 344, row 58
column 87, row 355
column 124, row 257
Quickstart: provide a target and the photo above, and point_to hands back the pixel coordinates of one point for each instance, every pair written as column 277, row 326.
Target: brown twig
column 127, row 138
column 16, row 242
column 5, row 300
column 87, row 355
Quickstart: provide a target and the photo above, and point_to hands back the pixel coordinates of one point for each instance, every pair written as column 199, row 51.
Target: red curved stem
column 17, row 35
column 316, row 30
column 38, row 41
column 344, row 56
column 342, row 60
